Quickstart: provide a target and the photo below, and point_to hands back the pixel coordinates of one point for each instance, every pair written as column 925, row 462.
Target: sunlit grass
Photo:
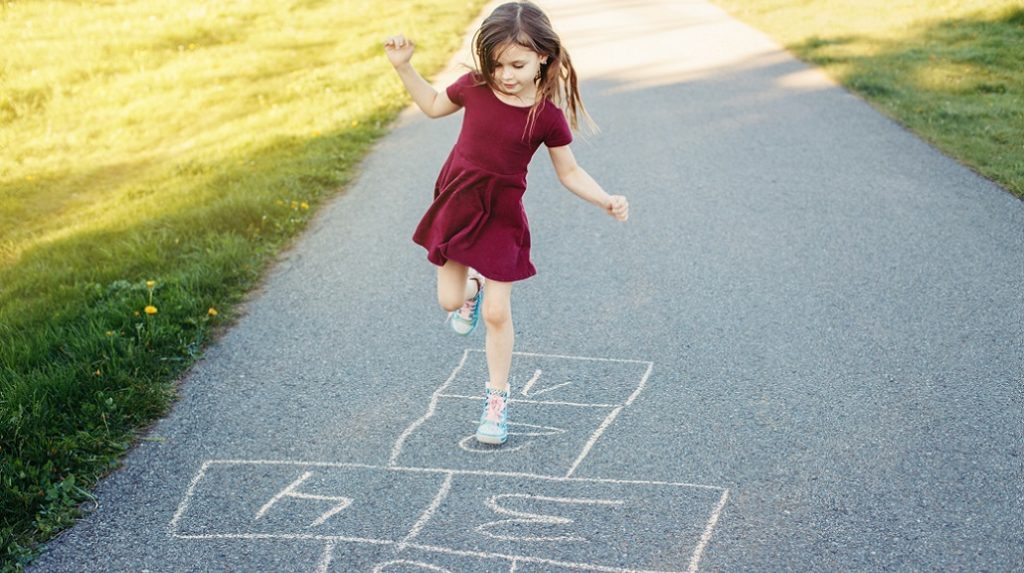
column 178, row 142
column 948, row 69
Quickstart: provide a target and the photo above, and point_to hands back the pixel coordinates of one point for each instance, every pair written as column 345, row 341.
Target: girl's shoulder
column 468, row 82
column 554, row 124
column 472, row 78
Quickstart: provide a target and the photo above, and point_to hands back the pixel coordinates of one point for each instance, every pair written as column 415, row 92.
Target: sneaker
column 493, row 427
column 464, row 320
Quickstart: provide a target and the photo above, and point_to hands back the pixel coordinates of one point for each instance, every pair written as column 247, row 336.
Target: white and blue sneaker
column 464, row 320
column 493, row 427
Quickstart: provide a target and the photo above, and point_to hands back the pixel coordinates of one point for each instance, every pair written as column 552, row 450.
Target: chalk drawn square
column 543, row 438
column 559, row 408
column 556, row 378
column 296, row 500
column 546, row 523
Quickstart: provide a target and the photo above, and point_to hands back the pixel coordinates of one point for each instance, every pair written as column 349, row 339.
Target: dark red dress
column 477, row 216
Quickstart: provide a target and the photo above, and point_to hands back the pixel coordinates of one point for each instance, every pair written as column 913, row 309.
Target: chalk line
column 396, row 451
column 541, row 402
column 706, row 536
column 428, row 513
column 593, row 439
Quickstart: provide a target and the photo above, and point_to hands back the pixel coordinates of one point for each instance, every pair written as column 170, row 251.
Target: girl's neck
column 517, row 100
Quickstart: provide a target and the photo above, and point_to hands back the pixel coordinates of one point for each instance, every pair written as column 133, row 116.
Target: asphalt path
column 803, row 352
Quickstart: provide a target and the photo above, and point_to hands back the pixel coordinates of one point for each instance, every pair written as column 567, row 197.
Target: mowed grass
column 950, row 70
column 158, row 153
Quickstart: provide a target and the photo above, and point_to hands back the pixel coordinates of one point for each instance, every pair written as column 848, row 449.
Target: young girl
column 476, row 230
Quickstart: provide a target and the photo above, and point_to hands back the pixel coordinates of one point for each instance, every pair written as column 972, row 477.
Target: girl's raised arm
column 434, row 104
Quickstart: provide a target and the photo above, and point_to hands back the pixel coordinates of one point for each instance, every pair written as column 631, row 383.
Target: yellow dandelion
column 355, row 123
column 295, row 204
column 191, row 46
column 150, row 284
column 151, row 310
column 212, row 311
column 304, row 205
column 279, row 202
column 30, row 178
column 316, row 133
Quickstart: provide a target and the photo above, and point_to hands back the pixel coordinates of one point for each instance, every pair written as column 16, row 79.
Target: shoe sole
column 494, row 440
column 467, row 333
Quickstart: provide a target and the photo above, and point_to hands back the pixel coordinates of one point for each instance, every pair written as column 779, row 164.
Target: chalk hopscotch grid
column 407, row 542
column 427, row 514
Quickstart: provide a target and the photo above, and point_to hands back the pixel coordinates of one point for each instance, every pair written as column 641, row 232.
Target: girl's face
column 516, row 69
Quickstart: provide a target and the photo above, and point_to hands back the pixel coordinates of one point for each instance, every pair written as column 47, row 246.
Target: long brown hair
column 524, row 24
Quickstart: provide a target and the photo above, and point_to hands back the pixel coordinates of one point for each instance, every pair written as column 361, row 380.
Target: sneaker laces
column 495, row 405
column 466, row 312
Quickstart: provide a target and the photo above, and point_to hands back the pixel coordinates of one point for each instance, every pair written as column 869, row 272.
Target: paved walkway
column 803, row 352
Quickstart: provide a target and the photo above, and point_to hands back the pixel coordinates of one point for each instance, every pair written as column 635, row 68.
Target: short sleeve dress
column 477, row 217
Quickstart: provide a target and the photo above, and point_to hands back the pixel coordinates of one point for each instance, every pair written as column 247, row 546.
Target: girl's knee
column 450, row 301
column 496, row 313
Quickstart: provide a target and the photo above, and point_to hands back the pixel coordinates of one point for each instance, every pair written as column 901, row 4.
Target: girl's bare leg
column 497, row 315
column 453, row 286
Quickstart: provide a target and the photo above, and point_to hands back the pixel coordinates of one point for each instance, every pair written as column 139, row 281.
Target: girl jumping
column 476, row 231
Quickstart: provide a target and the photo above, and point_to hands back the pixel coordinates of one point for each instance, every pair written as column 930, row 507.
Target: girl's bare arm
column 433, row 103
column 575, row 179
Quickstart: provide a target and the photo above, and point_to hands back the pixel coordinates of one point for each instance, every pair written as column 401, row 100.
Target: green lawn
column 180, row 142
column 950, row 70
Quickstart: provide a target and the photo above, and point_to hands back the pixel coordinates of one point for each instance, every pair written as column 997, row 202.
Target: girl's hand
column 399, row 50
column 617, row 206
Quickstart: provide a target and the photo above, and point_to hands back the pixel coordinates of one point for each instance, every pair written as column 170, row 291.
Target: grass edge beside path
column 948, row 70
column 158, row 155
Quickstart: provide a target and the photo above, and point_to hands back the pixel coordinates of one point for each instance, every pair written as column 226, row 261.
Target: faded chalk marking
column 291, row 536
column 550, row 388
column 470, row 441
column 643, row 383
column 551, row 430
column 183, row 506
column 402, row 469
column 546, row 521
column 536, row 376
column 706, row 536
column 442, row 493
column 325, row 559
column 525, row 517
column 541, row 402
column 547, row 526
column 540, row 560
column 380, row 567
column 290, row 492
column 397, row 449
column 529, row 384
column 593, row 440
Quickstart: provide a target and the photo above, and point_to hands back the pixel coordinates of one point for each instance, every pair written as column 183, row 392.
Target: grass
column 158, row 153
column 950, row 70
